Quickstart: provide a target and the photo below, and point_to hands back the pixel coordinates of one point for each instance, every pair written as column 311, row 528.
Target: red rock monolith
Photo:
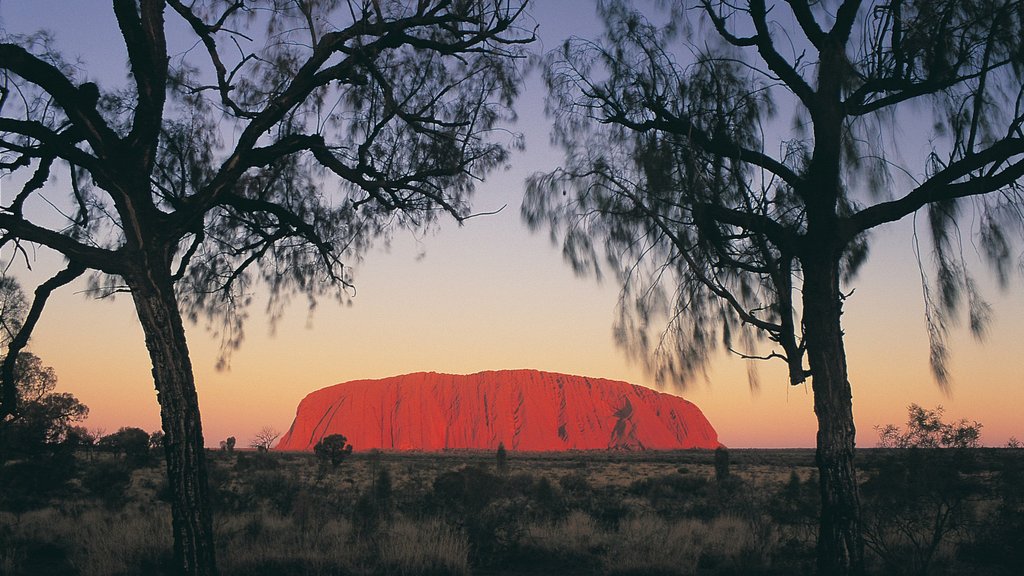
column 526, row 410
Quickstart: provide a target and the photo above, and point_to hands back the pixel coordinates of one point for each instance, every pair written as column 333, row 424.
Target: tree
column 234, row 156
column 917, row 501
column 730, row 226
column 925, row 429
column 333, row 448
column 45, row 419
column 265, row 438
column 131, row 442
column 501, row 458
column 156, row 440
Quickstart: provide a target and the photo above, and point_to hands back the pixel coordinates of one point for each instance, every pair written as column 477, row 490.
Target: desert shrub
column 466, row 491
column 260, row 460
column 918, row 507
column 577, row 534
column 721, row 464
column 794, row 511
column 334, row 449
column 493, row 515
column 521, row 481
column 998, row 544
column 547, row 499
column 108, row 481
column 367, row 517
column 382, row 489
column 374, row 506
column 274, row 488
column 224, row 493
column 575, row 485
column 673, row 495
column 501, row 459
column 31, row 483
column 311, row 511
column 497, row 532
column 607, row 507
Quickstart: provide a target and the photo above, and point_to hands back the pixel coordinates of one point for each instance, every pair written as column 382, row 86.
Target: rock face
column 524, row 409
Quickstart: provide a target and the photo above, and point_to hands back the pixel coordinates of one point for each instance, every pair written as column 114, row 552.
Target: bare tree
column 731, row 226
column 265, row 438
column 265, row 141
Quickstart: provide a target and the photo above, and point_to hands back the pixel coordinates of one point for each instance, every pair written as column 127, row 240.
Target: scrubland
column 605, row 513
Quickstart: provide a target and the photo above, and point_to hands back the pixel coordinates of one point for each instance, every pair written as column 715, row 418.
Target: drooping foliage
column 730, row 159
column 262, row 142
column 694, row 138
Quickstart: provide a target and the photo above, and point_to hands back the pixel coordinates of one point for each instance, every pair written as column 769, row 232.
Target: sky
column 491, row 295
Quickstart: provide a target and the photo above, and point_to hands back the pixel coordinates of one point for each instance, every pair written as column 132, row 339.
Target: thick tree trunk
column 840, row 547
column 158, row 312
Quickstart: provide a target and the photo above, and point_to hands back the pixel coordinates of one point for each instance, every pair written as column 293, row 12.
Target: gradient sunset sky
column 490, row 295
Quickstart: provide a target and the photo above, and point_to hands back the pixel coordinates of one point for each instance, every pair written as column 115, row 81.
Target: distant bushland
column 570, row 513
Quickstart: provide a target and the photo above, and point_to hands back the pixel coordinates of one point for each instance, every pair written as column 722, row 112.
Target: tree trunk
column 840, row 547
column 158, row 312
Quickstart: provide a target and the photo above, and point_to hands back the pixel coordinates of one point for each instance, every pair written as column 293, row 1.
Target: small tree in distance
column 130, row 442
column 263, row 439
column 925, row 429
column 920, row 500
column 334, row 449
column 502, row 458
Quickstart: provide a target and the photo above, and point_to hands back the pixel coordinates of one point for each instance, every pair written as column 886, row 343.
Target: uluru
column 526, row 410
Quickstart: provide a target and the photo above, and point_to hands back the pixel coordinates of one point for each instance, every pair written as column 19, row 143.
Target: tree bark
column 840, row 549
column 157, row 307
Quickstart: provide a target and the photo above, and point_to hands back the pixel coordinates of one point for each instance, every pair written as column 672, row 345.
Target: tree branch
column 944, row 186
column 79, row 105
column 775, row 61
column 9, row 406
column 143, row 33
column 99, row 258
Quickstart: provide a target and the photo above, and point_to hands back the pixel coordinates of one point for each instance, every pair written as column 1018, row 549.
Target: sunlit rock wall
column 524, row 409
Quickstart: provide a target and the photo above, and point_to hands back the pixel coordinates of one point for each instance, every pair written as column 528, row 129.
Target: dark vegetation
column 729, row 163
column 926, row 511
column 259, row 143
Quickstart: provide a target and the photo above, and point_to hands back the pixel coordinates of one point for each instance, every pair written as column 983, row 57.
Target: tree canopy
column 697, row 148
column 730, row 160
column 262, row 141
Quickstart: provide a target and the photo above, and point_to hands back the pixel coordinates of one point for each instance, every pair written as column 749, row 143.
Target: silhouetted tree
column 265, row 438
column 721, row 464
column 501, row 458
column 45, row 418
column 234, row 155
column 334, row 449
column 128, row 441
column 729, row 226
column 156, row 440
column 926, row 429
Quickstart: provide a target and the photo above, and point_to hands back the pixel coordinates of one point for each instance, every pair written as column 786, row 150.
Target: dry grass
column 602, row 514
column 646, row 544
column 428, row 547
